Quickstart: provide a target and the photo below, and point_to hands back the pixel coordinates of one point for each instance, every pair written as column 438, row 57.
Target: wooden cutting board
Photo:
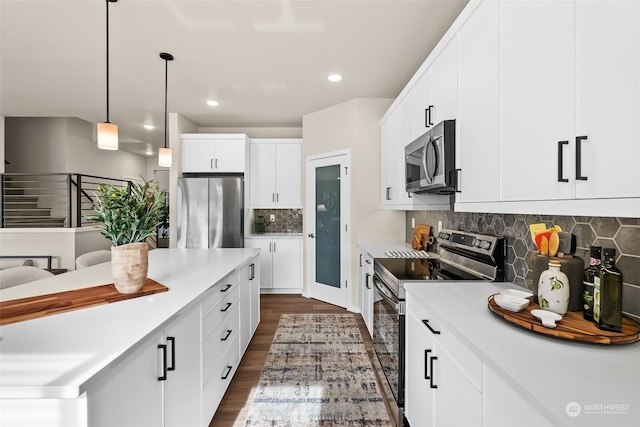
column 45, row 305
column 572, row 326
column 421, row 237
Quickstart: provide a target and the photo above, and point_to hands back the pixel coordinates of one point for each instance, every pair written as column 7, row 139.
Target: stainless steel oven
column 460, row 256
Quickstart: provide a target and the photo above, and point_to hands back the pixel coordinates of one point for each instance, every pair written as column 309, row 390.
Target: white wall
column 355, row 125
column 64, row 145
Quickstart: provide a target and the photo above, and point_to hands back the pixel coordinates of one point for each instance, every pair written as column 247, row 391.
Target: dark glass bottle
column 610, row 316
column 590, row 273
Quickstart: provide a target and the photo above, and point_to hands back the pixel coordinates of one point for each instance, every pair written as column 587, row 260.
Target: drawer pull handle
column 163, row 377
column 226, row 337
column 431, row 384
column 426, row 323
column 226, row 374
column 252, row 270
column 172, row 340
column 561, row 177
column 579, row 175
column 227, row 307
column 226, row 288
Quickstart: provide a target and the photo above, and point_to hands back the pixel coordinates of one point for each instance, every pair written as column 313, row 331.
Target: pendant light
column 165, row 154
column 107, row 131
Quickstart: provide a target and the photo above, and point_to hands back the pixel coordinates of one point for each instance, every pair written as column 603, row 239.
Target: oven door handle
column 385, row 291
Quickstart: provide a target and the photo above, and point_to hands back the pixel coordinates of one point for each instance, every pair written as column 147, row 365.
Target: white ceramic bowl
column 548, row 318
column 517, row 293
column 510, row 302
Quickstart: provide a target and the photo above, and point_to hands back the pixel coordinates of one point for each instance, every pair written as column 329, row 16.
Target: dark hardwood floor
column 233, row 409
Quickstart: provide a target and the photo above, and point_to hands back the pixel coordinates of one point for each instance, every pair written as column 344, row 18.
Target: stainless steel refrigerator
column 211, row 212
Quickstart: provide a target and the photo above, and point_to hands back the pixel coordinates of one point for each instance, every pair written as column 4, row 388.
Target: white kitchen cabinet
column 280, row 262
column 502, row 406
column 537, row 98
column 215, row 153
column 133, row 393
column 276, row 173
column 422, row 107
column 441, row 374
column 220, row 311
column 607, row 99
column 478, row 120
column 366, row 289
column 249, row 302
column 444, row 84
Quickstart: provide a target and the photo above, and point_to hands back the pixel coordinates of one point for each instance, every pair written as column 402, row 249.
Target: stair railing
column 48, row 200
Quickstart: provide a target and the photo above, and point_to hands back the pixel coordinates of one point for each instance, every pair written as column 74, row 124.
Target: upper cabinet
column 216, row 153
column 276, row 173
column 578, row 77
column 608, row 99
column 478, row 124
column 537, row 97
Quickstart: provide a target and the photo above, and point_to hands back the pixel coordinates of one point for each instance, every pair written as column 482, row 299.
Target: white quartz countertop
column 59, row 356
column 548, row 372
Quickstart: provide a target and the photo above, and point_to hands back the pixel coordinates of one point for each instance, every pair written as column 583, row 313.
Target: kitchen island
column 56, row 370
column 504, row 375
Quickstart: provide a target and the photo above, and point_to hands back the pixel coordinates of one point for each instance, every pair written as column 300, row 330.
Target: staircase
column 20, row 209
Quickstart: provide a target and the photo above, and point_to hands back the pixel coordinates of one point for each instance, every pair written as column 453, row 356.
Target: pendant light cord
column 107, row 3
column 166, row 85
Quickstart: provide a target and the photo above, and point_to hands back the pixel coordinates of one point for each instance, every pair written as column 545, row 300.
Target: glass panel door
column 328, row 225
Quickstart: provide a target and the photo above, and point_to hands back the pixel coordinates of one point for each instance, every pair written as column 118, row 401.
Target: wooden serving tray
column 60, row 302
column 572, row 326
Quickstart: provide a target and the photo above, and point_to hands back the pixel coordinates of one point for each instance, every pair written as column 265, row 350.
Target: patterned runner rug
column 317, row 373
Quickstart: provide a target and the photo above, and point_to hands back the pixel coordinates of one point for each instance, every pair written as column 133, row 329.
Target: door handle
column 560, row 150
column 431, row 384
column 366, row 280
column 172, row 340
column 163, row 377
column 388, row 193
column 311, row 235
column 579, row 140
column 426, row 365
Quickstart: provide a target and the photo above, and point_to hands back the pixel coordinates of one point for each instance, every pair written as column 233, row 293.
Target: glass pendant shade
column 165, row 156
column 107, row 136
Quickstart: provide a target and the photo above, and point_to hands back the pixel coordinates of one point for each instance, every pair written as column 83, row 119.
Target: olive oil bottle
column 608, row 315
column 590, row 273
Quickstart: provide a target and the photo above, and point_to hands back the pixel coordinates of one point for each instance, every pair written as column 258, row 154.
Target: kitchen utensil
column 567, row 243
column 554, row 242
column 418, row 242
column 535, row 229
column 548, row 318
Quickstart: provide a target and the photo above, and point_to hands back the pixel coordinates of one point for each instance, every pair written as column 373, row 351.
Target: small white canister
column 553, row 289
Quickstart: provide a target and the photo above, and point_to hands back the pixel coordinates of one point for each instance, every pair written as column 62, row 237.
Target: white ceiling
column 265, row 61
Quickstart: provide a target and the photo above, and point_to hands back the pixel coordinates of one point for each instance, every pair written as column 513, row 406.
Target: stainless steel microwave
column 430, row 161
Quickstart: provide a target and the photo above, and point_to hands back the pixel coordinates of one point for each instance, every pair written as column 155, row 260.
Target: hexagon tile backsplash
column 620, row 233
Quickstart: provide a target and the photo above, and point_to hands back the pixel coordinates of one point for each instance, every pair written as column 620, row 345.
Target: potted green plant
column 128, row 215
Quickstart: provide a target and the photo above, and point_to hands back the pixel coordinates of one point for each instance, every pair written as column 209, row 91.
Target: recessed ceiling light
column 212, row 103
column 149, row 127
column 334, row 77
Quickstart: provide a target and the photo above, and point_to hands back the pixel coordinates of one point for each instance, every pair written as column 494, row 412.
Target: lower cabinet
column 280, row 261
column 366, row 289
column 156, row 384
column 442, row 375
column 178, row 375
column 502, row 406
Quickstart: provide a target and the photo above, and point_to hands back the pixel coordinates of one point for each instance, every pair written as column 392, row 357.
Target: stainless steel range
column 461, row 256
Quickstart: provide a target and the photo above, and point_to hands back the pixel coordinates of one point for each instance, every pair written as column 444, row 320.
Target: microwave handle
column 424, row 161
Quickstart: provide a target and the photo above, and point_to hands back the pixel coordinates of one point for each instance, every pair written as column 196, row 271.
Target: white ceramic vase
column 129, row 265
column 553, row 289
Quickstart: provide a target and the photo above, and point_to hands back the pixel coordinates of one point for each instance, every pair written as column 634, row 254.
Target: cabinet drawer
column 468, row 362
column 215, row 388
column 220, row 310
column 214, row 295
column 219, row 341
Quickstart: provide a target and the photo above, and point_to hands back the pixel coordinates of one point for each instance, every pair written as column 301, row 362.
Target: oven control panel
column 470, row 241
